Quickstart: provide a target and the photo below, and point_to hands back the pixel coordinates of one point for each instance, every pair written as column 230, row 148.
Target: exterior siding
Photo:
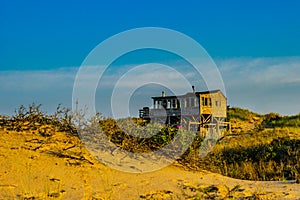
column 189, row 106
column 213, row 103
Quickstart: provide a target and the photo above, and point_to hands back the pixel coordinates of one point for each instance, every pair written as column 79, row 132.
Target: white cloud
column 259, row 84
column 38, row 79
column 262, row 70
column 46, row 87
column 263, row 84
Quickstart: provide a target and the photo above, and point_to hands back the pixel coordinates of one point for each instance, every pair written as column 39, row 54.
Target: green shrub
column 241, row 114
column 272, row 155
column 278, row 121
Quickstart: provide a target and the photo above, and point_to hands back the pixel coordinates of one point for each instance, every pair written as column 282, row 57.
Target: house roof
column 208, row 92
column 188, row 94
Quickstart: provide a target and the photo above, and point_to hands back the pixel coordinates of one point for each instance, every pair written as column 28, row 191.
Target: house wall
column 191, row 105
column 214, row 103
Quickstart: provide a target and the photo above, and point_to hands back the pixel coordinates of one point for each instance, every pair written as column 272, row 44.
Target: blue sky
column 256, row 45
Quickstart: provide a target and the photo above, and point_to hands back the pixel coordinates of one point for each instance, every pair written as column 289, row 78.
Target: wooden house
column 192, row 110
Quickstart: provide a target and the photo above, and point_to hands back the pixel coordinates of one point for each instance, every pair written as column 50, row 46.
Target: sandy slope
column 56, row 166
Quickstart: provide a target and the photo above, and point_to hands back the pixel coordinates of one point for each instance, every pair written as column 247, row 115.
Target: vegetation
column 260, row 155
column 241, row 114
column 31, row 117
column 134, row 135
column 275, row 120
column 268, row 150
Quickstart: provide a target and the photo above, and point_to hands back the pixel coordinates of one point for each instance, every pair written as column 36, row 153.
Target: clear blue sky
column 256, row 45
column 54, row 34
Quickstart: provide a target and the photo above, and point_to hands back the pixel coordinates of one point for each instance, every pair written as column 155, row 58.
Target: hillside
column 259, row 147
column 42, row 157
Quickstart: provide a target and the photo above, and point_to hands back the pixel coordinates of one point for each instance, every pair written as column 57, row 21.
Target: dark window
column 174, row 103
column 159, row 104
column 164, row 103
column 206, row 101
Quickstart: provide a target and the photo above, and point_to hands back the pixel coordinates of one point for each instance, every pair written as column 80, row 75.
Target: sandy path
column 31, row 172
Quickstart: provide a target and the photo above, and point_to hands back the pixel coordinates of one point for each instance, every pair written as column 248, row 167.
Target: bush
column 275, row 120
column 272, row 155
column 31, row 117
column 241, row 114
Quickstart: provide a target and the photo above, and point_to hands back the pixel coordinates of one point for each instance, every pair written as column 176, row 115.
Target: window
column 164, row 103
column 206, row 101
column 187, row 102
column 193, row 102
column 218, row 103
column 158, row 104
column 174, row 105
column 182, row 103
column 169, row 104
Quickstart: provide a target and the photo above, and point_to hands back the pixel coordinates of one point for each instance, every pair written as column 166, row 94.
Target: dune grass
column 263, row 155
column 269, row 151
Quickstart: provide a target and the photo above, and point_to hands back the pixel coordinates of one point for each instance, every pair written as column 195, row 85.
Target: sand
column 57, row 166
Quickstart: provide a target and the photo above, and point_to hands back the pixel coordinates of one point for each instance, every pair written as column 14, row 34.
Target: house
column 192, row 110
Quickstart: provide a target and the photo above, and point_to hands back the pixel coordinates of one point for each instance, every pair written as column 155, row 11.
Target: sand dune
column 57, row 166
